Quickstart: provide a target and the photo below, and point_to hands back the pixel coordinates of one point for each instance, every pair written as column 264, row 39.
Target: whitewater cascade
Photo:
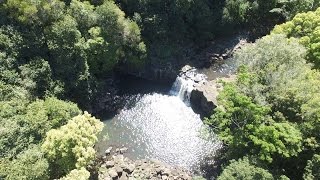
column 185, row 83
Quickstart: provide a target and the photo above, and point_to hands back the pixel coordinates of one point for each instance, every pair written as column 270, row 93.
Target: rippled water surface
column 161, row 127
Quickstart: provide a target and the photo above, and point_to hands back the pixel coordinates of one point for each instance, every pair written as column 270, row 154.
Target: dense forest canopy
column 55, row 55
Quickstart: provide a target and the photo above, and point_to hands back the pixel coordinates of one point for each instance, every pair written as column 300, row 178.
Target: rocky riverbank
column 116, row 166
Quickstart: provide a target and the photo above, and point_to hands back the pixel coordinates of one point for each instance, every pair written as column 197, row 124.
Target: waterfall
column 185, row 83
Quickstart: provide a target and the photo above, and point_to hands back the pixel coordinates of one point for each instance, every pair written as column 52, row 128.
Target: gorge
column 162, row 125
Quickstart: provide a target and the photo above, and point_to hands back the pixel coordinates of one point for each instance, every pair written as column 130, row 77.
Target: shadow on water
column 119, row 92
column 131, row 85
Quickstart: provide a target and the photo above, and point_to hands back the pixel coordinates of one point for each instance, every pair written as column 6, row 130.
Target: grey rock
column 166, row 172
column 175, row 172
column 109, row 164
column 119, row 170
column 158, row 170
column 129, row 169
column 203, row 98
column 136, row 175
column 124, row 176
column 118, row 158
column 164, row 177
column 199, row 78
column 138, row 163
column 123, row 150
column 108, row 151
column 113, row 173
column 185, row 68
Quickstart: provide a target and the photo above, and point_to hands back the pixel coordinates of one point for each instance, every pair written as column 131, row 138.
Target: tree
column 312, row 170
column 36, row 77
column 243, row 170
column 41, row 116
column 29, row 164
column 71, row 146
column 247, row 128
column 306, row 27
column 25, row 123
column 80, row 174
column 84, row 13
column 122, row 40
column 270, row 112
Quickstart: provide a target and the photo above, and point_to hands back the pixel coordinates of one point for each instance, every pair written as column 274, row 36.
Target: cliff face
column 203, row 98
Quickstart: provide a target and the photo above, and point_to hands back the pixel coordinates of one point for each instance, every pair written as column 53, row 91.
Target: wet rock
column 166, row 172
column 109, row 164
column 119, row 170
column 124, row 176
column 108, row 151
column 118, row 158
column 129, row 169
column 138, row 163
column 123, row 168
column 123, row 150
column 164, row 177
column 113, row 173
column 175, row 172
column 158, row 170
column 185, row 68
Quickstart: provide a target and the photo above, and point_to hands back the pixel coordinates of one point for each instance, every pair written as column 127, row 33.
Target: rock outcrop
column 117, row 166
column 203, row 98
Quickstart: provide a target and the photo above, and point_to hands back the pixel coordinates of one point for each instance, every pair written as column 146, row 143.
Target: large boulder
column 203, row 98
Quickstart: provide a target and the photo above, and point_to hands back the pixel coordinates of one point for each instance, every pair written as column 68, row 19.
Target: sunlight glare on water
column 161, row 127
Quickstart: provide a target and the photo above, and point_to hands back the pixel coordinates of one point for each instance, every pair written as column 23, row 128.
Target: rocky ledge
column 203, row 98
column 116, row 166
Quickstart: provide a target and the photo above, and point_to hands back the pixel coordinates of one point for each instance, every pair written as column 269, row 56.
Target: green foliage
column 283, row 80
column 123, row 38
column 254, row 11
column 24, row 124
column 243, row 170
column 290, row 8
column 36, row 77
column 77, row 39
column 279, row 138
column 312, row 170
column 60, row 112
column 28, row 165
column 77, row 174
column 271, row 112
column 175, row 20
column 247, row 127
column 71, row 146
column 65, row 45
column 306, row 27
column 49, row 114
